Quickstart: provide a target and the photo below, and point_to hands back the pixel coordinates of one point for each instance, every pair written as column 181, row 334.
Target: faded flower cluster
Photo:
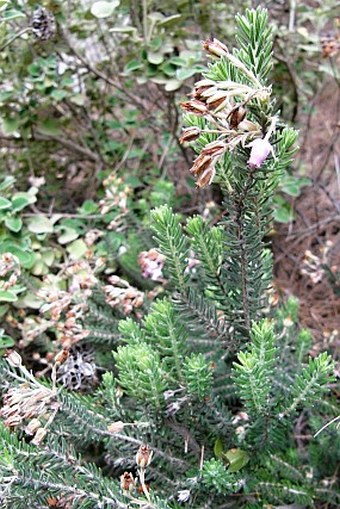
column 63, row 309
column 115, row 200
column 119, row 294
column 151, row 263
column 223, row 104
column 30, row 403
column 9, row 271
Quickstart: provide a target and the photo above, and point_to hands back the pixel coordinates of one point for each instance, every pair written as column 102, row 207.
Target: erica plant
column 208, row 390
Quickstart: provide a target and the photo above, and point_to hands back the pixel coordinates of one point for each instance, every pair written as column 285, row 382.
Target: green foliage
column 141, row 373
column 207, row 243
column 217, row 478
column 173, row 243
column 198, row 376
column 311, row 383
column 255, row 368
column 31, row 482
column 254, row 37
column 166, row 334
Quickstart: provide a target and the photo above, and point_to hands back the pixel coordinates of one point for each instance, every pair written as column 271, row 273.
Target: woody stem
column 141, row 474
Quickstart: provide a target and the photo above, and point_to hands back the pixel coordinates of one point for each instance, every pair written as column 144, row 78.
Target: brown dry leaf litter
column 313, row 239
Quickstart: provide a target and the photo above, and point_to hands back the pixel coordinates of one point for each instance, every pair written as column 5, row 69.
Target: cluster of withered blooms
column 129, row 484
column 115, row 199
column 64, row 315
column 151, row 263
column 9, row 271
column 29, row 403
column 43, row 24
column 121, row 295
column 63, row 310
column 223, row 104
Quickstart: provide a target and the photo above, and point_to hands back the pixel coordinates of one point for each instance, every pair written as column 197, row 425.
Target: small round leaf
column 103, row 9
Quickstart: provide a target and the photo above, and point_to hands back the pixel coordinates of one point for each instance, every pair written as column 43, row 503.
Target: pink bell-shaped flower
column 260, row 149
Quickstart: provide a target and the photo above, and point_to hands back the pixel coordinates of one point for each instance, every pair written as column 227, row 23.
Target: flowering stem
column 141, row 474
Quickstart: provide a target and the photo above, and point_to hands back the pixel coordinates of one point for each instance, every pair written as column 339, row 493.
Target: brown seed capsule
column 215, row 47
column 201, row 163
column 214, row 149
column 190, row 134
column 196, row 107
column 236, row 116
column 144, row 456
column 206, row 177
column 127, row 482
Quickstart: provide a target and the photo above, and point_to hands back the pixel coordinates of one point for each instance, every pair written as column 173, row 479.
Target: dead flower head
column 27, row 401
column 190, row 134
column 121, row 295
column 204, row 164
column 223, row 105
column 144, row 456
column 127, row 482
column 215, row 47
column 151, row 263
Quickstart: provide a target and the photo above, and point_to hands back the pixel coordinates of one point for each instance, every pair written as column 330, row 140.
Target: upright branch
column 244, row 147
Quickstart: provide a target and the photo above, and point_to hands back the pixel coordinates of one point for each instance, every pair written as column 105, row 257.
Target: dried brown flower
column 144, row 456
column 127, row 482
column 207, row 177
column 119, row 294
column 27, row 401
column 236, row 116
column 214, row 149
column 215, row 47
column 196, row 107
column 218, row 101
column 190, row 134
column 201, row 163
